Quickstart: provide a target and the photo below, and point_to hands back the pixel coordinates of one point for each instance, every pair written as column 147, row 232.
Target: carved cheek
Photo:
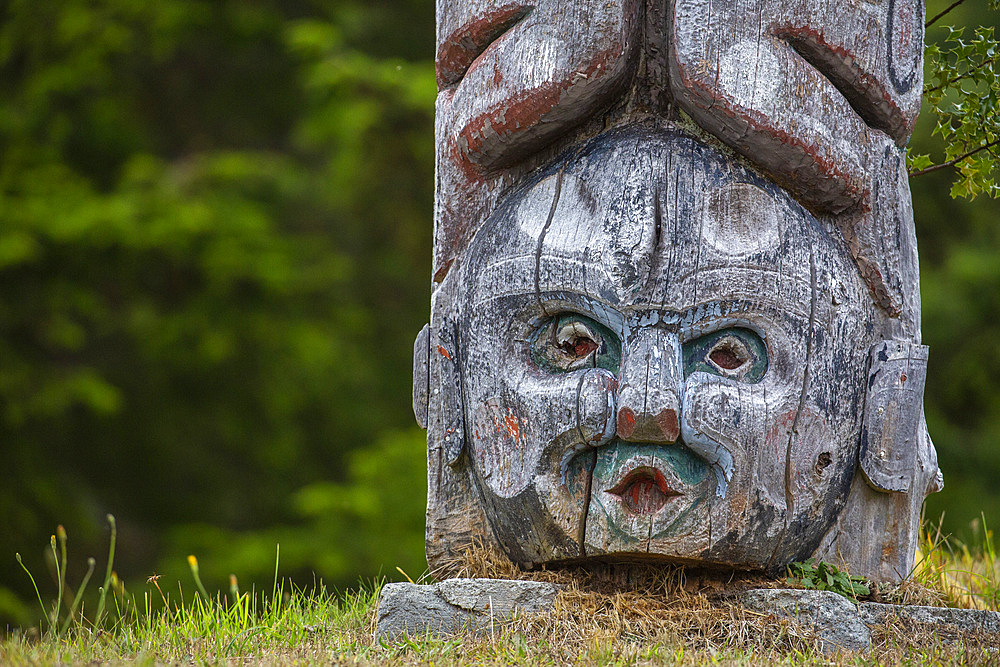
column 501, row 440
column 535, row 427
column 726, row 423
column 816, row 457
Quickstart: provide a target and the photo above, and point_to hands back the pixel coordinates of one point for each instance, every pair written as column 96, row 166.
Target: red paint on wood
column 850, row 186
column 458, row 51
column 863, row 88
column 644, row 491
column 523, row 110
column 667, row 420
column 443, row 271
column 512, row 426
column 626, row 422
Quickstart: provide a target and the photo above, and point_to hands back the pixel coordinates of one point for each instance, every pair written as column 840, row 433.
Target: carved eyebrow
column 866, row 95
column 461, row 48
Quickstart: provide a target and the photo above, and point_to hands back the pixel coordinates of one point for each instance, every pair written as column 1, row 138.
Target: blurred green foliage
column 960, row 265
column 215, row 224
column 215, row 229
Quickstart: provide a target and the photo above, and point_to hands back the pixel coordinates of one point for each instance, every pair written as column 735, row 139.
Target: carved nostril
column 663, row 427
column 626, row 423
column 667, row 419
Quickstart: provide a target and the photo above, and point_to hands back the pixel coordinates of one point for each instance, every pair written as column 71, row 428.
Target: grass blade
column 59, row 579
column 107, row 576
column 193, row 564
column 91, row 563
column 24, row 567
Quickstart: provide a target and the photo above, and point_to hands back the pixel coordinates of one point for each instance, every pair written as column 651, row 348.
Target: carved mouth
column 644, row 491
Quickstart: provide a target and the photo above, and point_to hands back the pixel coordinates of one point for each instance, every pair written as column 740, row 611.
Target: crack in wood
column 541, row 238
column 581, row 533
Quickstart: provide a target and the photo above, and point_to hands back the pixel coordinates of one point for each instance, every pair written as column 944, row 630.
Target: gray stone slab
column 963, row 620
column 831, row 617
column 454, row 605
column 842, row 624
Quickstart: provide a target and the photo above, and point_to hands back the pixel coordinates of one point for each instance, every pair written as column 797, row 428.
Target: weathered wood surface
column 676, row 307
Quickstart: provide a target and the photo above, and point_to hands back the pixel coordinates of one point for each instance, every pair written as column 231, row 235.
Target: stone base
column 475, row 605
column 457, row 604
column 840, row 624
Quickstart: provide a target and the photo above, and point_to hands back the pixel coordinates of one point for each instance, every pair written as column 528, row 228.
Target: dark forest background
column 215, row 238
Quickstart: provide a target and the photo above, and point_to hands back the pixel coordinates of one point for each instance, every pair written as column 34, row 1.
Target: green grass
column 289, row 625
column 320, row 628
column 293, row 626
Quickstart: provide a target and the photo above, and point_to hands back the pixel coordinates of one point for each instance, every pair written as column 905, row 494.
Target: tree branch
column 970, row 72
column 935, row 19
column 953, row 162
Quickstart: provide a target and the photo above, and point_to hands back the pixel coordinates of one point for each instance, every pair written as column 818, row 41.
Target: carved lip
column 643, row 489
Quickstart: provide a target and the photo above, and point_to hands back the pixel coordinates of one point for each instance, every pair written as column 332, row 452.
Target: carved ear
column 442, row 408
column 448, row 410
column 893, row 418
column 421, row 375
column 455, row 516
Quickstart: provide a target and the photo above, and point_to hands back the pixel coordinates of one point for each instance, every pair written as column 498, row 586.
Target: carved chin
column 646, row 496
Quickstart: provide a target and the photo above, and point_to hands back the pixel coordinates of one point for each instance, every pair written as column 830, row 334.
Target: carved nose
column 649, row 388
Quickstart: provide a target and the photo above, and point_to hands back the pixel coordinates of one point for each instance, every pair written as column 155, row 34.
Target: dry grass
column 960, row 575
column 639, row 602
column 669, row 615
column 628, row 608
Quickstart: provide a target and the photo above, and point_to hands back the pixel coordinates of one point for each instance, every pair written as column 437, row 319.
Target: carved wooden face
column 657, row 350
column 661, row 353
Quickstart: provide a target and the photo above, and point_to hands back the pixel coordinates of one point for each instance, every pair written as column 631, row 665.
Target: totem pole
column 675, row 311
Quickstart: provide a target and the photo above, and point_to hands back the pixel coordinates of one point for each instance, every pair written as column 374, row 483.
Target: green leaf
column 918, row 162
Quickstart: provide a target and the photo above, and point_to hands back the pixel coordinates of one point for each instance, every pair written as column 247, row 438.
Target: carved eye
column 734, row 353
column 570, row 341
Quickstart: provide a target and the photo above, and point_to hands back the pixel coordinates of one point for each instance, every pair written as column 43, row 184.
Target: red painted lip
column 644, row 490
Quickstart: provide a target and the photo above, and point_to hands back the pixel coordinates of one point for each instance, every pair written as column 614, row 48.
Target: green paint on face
column 689, row 467
column 570, row 341
column 735, row 352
